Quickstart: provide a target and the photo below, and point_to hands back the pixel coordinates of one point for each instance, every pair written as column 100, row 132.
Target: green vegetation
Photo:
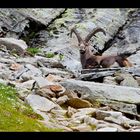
column 61, row 57
column 17, row 116
column 49, row 55
column 29, row 36
column 33, row 51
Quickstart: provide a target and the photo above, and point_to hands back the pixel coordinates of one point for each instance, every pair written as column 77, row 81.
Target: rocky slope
column 50, row 79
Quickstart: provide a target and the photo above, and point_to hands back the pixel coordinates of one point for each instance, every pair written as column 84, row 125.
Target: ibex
column 90, row 60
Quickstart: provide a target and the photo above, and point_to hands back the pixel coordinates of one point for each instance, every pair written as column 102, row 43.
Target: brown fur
column 90, row 60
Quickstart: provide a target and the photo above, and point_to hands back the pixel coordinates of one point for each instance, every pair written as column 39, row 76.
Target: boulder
column 40, row 103
column 45, row 92
column 12, row 44
column 109, row 80
column 100, row 114
column 25, row 85
column 106, row 94
column 42, row 82
column 62, row 100
column 78, row 103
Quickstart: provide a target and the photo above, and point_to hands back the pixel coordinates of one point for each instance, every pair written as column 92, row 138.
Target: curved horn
column 93, row 32
column 73, row 30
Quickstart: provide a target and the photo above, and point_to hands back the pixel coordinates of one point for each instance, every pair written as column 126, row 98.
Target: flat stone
column 109, row 80
column 45, row 92
column 82, row 128
column 25, row 85
column 42, row 82
column 57, row 88
column 55, row 71
column 84, row 111
column 35, row 71
column 78, row 103
column 107, row 129
column 100, row 114
column 40, row 103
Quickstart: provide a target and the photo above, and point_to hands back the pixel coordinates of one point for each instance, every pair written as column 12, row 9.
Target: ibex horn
column 93, row 32
column 73, row 30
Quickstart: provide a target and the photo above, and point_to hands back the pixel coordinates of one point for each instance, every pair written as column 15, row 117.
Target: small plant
column 49, row 55
column 33, row 51
column 61, row 57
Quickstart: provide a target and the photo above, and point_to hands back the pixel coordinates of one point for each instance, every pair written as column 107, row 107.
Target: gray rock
column 107, row 129
column 109, row 80
column 138, row 79
column 25, row 85
column 128, row 80
column 7, row 60
column 122, row 106
column 27, row 60
column 91, row 121
column 5, row 74
column 123, row 121
column 58, row 112
column 23, row 93
column 14, row 44
column 45, row 92
column 84, row 111
column 49, row 62
column 42, row 82
column 3, row 82
column 105, row 93
column 94, row 76
column 54, row 78
column 104, row 124
column 55, row 71
column 100, row 114
column 75, row 121
column 40, row 103
column 62, row 100
column 82, row 128
column 70, row 111
column 35, row 71
column 25, row 75
column 136, row 130
column 57, row 126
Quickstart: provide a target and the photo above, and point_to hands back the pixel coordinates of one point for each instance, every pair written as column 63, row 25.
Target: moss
column 49, row 55
column 68, row 16
column 16, row 115
column 93, row 127
column 33, row 51
column 96, row 104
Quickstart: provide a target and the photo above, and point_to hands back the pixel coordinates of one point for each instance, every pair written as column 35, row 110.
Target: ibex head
column 84, row 43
